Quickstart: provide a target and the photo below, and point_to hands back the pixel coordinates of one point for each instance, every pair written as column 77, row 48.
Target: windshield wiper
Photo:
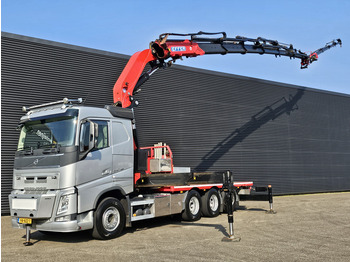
column 53, row 148
column 25, row 151
column 53, row 145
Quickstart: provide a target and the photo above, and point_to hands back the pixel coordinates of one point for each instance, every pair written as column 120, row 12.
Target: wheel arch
column 115, row 192
column 200, row 191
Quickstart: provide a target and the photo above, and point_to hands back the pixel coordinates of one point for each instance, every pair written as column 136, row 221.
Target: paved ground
column 306, row 228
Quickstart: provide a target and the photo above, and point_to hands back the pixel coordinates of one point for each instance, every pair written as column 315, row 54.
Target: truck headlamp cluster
column 63, row 205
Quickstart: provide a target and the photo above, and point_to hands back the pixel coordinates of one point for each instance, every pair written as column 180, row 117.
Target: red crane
column 163, row 52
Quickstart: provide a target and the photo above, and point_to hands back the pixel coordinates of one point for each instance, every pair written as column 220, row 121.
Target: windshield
column 50, row 132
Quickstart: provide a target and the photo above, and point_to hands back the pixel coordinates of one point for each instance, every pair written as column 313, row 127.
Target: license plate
column 24, row 204
column 24, row 220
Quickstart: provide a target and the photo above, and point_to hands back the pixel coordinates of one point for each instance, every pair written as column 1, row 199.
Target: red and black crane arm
column 163, row 52
column 314, row 55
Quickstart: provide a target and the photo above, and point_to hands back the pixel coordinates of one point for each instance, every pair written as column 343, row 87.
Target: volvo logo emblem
column 36, row 161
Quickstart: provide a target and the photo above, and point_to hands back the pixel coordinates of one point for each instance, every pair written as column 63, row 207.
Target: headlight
column 64, row 203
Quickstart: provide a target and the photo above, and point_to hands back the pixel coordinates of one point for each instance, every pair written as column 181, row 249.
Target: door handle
column 106, row 172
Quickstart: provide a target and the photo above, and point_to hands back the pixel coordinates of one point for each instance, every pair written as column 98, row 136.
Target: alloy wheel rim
column 111, row 219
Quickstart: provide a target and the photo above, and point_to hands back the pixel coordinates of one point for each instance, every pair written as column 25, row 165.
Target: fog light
column 63, row 219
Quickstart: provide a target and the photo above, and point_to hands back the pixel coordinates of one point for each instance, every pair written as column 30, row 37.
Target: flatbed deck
column 171, row 182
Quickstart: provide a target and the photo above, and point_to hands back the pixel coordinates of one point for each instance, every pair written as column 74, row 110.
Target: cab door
column 98, row 162
column 122, row 154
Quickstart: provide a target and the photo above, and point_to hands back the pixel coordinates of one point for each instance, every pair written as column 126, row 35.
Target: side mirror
column 93, row 135
column 88, row 137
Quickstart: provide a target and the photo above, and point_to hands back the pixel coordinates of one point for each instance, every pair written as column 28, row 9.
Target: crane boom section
column 123, row 88
column 163, row 52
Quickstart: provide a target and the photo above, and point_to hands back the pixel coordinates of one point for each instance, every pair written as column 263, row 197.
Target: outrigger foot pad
column 271, row 211
column 231, row 239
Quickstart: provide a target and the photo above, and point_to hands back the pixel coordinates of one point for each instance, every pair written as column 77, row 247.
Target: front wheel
column 192, row 211
column 109, row 219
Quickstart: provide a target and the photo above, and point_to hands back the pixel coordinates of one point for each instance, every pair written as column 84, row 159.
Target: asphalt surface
column 305, row 228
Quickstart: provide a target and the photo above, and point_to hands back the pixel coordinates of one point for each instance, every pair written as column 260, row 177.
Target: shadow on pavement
column 219, row 227
column 244, row 208
column 85, row 236
column 74, row 237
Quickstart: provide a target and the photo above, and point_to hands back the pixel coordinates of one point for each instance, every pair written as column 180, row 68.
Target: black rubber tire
column 211, row 203
column 193, row 206
column 109, row 219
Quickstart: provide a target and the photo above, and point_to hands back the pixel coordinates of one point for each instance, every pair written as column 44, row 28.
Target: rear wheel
column 211, row 203
column 109, row 219
column 192, row 210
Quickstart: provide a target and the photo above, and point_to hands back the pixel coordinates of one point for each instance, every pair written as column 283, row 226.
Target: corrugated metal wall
column 294, row 138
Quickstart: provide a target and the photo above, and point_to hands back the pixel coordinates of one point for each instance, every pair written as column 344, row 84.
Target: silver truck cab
column 70, row 157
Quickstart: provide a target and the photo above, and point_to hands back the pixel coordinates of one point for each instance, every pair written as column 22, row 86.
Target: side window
column 84, row 137
column 120, row 135
column 102, row 139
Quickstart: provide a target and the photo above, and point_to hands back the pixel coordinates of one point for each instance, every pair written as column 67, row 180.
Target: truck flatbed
column 174, row 182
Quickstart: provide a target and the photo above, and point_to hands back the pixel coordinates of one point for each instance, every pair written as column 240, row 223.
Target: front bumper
column 53, row 210
column 81, row 222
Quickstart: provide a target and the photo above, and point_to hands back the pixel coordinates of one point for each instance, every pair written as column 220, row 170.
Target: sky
column 126, row 27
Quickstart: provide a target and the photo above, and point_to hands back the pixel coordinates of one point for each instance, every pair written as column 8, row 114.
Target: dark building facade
column 295, row 138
